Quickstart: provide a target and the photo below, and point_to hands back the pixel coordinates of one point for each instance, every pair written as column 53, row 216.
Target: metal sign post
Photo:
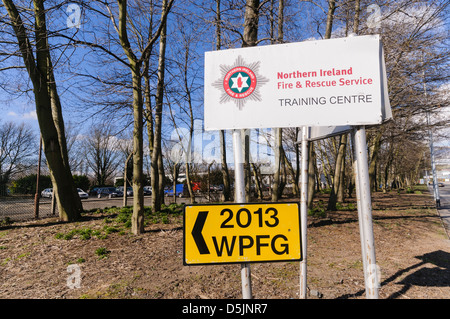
column 304, row 208
column 433, row 164
column 248, row 89
column 358, row 199
column 239, row 197
column 365, row 213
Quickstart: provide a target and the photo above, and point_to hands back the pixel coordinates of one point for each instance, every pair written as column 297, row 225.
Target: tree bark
column 251, row 20
column 330, row 18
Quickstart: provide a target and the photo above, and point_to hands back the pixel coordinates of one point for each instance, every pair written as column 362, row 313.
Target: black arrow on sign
column 197, row 233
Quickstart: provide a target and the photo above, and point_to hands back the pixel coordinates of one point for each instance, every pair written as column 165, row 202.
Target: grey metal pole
column 304, row 208
column 433, row 163
column 437, row 197
column 369, row 259
column 239, row 197
column 358, row 203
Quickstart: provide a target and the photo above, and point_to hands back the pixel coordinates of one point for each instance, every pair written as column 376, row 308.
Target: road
column 93, row 202
column 444, row 210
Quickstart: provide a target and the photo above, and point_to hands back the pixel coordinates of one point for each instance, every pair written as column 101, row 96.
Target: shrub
column 27, row 184
column 102, row 252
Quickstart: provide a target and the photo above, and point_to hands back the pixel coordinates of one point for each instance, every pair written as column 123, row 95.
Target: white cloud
column 30, row 115
column 24, row 116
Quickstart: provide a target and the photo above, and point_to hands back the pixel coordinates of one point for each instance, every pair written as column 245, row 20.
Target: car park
column 109, row 192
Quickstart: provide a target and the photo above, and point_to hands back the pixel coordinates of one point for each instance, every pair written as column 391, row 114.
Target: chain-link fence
column 22, row 207
column 16, row 208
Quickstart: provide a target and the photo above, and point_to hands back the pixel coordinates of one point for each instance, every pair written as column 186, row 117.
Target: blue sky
column 76, row 111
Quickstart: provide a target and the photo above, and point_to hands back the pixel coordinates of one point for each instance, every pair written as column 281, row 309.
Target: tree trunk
column 148, row 107
column 340, row 191
column 191, row 128
column 278, row 156
column 337, row 169
column 279, row 153
column 288, row 164
column 251, row 20
column 311, row 173
column 337, row 172
column 156, row 161
column 375, row 150
column 174, row 182
column 125, row 182
column 223, row 149
column 137, row 220
column 161, row 179
column 48, row 109
column 330, row 18
column 225, row 172
column 250, row 37
column 258, row 186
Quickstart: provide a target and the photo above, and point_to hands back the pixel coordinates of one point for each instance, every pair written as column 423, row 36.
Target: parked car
column 147, row 190
column 48, row 192
column 180, row 191
column 82, row 193
column 93, row 191
column 109, row 192
column 216, row 188
column 129, row 190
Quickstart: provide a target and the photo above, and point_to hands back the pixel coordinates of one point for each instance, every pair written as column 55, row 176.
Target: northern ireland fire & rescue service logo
column 240, row 82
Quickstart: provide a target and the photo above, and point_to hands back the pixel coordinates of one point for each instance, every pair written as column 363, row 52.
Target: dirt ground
column 412, row 250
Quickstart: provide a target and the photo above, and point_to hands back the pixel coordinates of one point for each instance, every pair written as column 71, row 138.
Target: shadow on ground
column 434, row 273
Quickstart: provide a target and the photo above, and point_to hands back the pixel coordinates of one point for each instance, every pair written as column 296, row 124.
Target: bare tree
column 223, row 149
column 413, row 35
column 35, row 53
column 278, row 184
column 137, row 46
column 17, row 148
column 102, row 153
column 157, row 168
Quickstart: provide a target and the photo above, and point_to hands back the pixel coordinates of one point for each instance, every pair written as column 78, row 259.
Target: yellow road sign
column 241, row 233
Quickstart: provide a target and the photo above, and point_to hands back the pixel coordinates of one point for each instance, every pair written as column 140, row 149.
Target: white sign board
column 334, row 82
column 320, row 132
